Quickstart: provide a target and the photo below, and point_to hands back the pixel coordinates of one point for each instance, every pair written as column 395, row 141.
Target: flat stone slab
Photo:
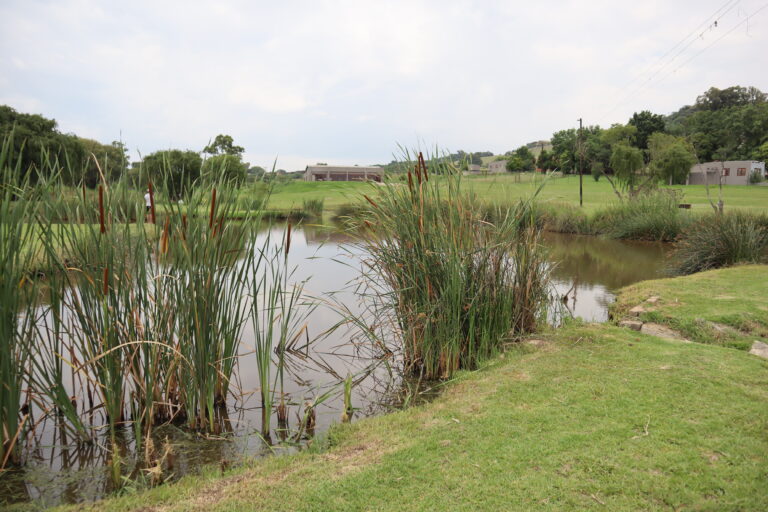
column 635, row 325
column 759, row 349
column 661, row 331
column 653, row 300
column 635, row 311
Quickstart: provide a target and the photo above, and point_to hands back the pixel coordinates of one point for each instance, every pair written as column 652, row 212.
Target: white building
column 338, row 173
column 734, row 172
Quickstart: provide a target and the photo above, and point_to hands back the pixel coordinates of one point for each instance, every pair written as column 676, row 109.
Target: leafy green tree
column 647, row 124
column 628, row 166
column 225, row 167
column 515, row 164
column 37, row 139
column 564, row 150
column 112, row 159
column 736, row 96
column 173, row 169
column 761, row 153
column 671, row 157
column 223, row 145
column 545, row 161
column 728, row 124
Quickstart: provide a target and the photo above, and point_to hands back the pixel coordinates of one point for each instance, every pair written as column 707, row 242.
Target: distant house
column 338, row 173
column 497, row 167
column 473, row 168
column 734, row 172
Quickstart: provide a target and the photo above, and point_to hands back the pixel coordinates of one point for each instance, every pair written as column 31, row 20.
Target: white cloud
column 350, row 79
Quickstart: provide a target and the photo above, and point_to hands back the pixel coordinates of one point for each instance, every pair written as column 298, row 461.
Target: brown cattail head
column 288, row 240
column 417, row 170
column 370, row 201
column 164, row 238
column 105, row 279
column 213, row 209
column 102, row 224
column 410, row 180
column 423, row 166
column 152, row 204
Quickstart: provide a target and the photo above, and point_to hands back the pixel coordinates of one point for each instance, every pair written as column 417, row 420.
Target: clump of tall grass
column 456, row 286
column 715, row 241
column 654, row 216
column 313, row 207
column 563, row 218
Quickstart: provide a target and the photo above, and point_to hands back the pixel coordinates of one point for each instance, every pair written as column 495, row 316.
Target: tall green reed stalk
column 279, row 309
column 456, row 285
column 17, row 243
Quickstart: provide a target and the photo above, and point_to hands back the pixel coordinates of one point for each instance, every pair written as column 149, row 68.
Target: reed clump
column 455, row 285
column 715, row 241
column 313, row 207
column 139, row 319
column 652, row 216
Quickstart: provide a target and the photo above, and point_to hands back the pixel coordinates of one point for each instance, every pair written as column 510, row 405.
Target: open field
column 731, row 297
column 506, row 188
column 594, row 417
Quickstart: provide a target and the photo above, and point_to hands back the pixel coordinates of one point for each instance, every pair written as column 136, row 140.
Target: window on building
column 741, row 171
column 727, row 171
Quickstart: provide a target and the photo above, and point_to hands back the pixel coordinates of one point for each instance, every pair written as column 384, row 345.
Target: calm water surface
column 586, row 271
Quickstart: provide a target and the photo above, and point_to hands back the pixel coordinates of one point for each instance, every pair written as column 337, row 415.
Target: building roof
column 342, row 169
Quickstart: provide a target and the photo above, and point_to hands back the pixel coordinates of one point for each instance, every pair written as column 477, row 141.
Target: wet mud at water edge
column 57, row 469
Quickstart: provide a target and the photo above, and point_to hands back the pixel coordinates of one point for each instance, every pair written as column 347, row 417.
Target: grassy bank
column 723, row 307
column 596, row 417
column 508, row 188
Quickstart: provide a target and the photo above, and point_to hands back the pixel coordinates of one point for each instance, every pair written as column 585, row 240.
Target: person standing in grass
column 148, row 201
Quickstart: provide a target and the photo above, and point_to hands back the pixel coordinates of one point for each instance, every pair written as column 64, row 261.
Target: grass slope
column 733, row 297
column 509, row 187
column 596, row 417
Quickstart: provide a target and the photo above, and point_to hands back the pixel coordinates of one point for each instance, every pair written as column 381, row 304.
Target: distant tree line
column 38, row 146
column 727, row 124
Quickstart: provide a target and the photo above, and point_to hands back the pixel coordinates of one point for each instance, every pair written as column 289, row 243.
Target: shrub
column 718, row 241
column 756, row 177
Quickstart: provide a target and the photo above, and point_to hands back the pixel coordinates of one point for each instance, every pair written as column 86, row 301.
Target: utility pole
column 581, row 168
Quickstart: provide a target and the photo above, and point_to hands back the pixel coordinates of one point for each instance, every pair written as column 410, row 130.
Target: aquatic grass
column 17, row 206
column 653, row 216
column 313, row 207
column 456, row 285
column 715, row 241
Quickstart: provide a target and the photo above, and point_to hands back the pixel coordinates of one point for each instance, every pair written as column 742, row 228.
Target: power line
column 745, row 20
column 728, row 6
column 692, row 32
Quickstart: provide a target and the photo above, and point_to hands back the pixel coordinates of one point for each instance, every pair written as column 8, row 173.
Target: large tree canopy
column 647, row 124
column 727, row 124
column 223, row 145
column 173, row 170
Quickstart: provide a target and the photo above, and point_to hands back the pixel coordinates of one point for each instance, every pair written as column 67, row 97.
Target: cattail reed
column 455, row 285
column 102, row 223
column 152, row 203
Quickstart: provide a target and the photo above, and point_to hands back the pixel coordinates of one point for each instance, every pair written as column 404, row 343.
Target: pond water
column 586, row 271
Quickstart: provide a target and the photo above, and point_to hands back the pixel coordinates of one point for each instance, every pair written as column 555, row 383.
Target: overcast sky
column 345, row 82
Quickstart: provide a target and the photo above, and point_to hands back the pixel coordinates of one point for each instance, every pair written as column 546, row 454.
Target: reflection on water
column 589, row 269
column 585, row 269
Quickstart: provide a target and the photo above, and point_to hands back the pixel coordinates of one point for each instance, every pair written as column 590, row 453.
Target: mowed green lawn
column 510, row 187
column 593, row 417
column 726, row 306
